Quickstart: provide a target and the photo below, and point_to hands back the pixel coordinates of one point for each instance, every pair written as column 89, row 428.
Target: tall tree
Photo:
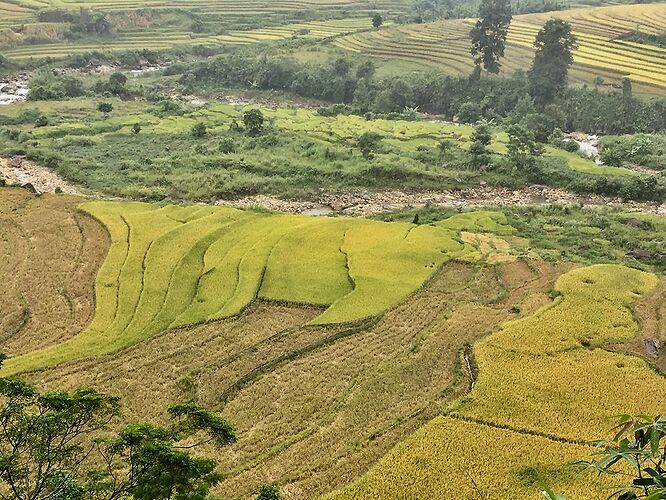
column 554, row 46
column 489, row 34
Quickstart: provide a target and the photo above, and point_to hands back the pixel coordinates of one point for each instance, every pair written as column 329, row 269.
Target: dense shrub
column 46, row 86
column 198, row 130
column 645, row 150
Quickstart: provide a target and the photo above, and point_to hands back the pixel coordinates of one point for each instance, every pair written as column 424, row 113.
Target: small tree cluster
column 377, row 20
column 369, row 143
column 114, row 86
column 481, row 139
column 253, row 121
column 199, row 130
column 106, row 108
column 523, row 147
column 268, row 492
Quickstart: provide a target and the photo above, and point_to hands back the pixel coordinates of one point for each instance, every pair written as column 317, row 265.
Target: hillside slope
column 602, row 51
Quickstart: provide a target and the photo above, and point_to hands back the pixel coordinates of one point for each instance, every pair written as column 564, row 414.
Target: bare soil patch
column 17, row 170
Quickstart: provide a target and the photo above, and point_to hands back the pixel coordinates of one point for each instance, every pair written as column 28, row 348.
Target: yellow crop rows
column 171, row 267
column 451, row 458
column 600, row 54
column 158, row 39
column 545, row 386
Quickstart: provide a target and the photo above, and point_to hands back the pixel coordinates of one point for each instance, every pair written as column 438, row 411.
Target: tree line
column 466, row 98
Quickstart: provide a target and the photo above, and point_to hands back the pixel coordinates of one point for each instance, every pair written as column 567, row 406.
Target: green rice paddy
column 174, row 266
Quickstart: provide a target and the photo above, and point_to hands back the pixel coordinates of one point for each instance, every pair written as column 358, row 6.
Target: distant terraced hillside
column 164, row 39
column 163, row 25
column 214, row 6
column 602, row 52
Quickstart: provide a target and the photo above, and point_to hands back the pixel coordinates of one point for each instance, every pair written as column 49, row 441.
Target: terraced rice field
column 549, row 355
column 10, row 11
column 546, row 386
column 218, row 7
column 299, row 393
column 281, row 17
column 164, row 39
column 171, row 267
column 12, row 14
column 300, row 397
column 328, row 365
column 446, row 44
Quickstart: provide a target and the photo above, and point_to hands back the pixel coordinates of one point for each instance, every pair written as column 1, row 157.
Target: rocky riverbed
column 14, row 89
column 363, row 203
column 20, row 171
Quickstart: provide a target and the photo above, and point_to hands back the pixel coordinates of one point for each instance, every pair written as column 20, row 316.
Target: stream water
column 588, row 145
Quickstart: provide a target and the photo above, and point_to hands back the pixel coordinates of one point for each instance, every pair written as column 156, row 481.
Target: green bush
column 199, row 130
column 227, row 145
column 570, row 146
column 641, row 149
column 41, row 121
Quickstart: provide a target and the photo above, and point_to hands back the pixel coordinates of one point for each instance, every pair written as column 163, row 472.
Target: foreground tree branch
column 57, row 444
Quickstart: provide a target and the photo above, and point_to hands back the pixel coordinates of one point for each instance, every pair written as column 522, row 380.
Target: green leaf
column 657, row 495
column 551, row 495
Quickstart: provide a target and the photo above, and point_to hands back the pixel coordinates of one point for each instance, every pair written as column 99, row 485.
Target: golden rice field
column 546, row 386
column 452, row 458
column 601, row 53
column 164, row 39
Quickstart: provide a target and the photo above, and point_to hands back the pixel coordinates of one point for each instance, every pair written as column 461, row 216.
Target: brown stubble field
column 49, row 256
